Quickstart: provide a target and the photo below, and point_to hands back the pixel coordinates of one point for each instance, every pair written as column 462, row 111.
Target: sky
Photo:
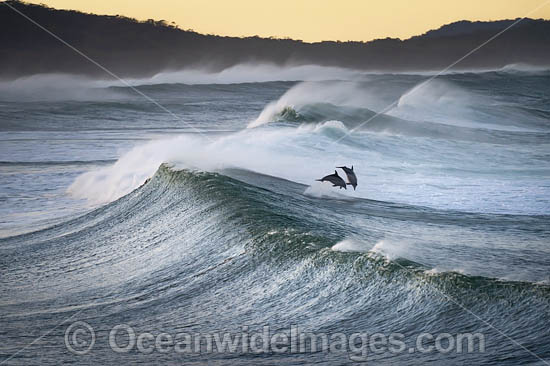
column 311, row 20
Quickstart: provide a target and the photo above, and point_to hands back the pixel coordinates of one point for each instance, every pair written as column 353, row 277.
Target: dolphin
column 334, row 179
column 352, row 178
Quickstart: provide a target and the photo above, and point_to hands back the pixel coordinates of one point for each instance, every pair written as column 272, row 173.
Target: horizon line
column 175, row 25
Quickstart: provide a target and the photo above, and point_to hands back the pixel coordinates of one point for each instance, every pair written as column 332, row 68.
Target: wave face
column 116, row 213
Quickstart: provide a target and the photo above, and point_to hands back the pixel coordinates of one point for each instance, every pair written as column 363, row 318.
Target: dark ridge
column 131, row 48
column 465, row 27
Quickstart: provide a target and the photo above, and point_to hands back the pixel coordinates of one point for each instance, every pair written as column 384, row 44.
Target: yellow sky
column 311, row 20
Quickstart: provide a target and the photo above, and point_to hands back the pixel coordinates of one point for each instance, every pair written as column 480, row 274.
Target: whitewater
column 115, row 212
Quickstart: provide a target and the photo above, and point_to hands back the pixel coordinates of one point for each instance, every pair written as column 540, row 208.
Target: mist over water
column 215, row 220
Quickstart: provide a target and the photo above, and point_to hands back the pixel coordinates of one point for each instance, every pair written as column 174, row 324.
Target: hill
column 132, row 48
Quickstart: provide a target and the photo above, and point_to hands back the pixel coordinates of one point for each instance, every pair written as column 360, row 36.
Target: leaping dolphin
column 335, row 180
column 352, row 178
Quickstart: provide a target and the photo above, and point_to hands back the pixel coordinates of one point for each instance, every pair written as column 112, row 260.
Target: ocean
column 128, row 228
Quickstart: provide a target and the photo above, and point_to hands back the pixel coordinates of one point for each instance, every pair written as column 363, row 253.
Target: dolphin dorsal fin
column 335, row 172
column 352, row 167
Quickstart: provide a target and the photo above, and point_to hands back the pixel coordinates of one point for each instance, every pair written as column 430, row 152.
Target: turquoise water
column 447, row 231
